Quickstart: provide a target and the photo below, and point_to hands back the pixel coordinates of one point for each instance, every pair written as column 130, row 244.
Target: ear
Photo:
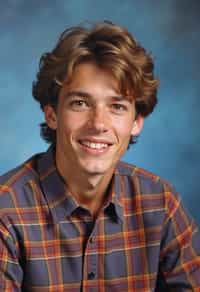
column 137, row 125
column 50, row 117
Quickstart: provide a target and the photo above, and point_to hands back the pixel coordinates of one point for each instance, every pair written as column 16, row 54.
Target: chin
column 95, row 169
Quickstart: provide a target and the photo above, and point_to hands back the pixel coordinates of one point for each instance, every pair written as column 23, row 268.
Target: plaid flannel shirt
column 142, row 240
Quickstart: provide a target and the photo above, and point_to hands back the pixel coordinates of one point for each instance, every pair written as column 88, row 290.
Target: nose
column 99, row 119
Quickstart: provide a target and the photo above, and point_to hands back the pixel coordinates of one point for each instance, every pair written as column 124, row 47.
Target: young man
column 76, row 218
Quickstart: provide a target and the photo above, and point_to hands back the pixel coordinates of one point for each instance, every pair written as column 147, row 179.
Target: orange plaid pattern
column 143, row 239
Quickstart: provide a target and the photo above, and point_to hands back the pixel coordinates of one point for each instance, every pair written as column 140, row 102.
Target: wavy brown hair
column 110, row 47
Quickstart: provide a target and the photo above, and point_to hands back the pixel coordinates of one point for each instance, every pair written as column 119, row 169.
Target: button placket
column 92, row 260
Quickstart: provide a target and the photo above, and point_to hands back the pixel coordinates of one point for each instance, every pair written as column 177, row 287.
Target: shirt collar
column 60, row 203
column 114, row 204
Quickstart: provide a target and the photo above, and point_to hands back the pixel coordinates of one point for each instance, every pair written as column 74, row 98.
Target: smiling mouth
column 94, row 145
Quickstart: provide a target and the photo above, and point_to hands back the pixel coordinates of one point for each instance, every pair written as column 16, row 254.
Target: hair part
column 110, row 47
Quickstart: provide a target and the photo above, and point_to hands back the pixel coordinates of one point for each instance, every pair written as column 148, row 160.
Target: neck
column 89, row 190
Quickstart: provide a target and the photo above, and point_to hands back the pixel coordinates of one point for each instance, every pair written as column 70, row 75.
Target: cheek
column 69, row 124
column 124, row 129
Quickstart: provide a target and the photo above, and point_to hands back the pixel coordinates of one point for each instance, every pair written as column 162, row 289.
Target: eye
column 119, row 108
column 78, row 104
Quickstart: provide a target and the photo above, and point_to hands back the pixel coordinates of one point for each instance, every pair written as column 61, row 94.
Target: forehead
column 95, row 80
column 90, row 74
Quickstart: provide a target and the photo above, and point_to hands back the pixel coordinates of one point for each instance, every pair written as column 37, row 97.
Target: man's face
column 93, row 122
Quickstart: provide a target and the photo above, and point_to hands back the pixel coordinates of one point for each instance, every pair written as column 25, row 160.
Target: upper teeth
column 94, row 145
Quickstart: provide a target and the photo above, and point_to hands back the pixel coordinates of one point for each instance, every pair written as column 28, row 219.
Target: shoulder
column 152, row 191
column 21, row 174
column 147, row 181
column 14, row 182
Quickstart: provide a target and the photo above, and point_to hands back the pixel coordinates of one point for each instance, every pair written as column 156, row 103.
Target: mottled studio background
column 170, row 29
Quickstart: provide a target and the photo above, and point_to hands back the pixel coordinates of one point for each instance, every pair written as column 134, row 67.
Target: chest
column 80, row 254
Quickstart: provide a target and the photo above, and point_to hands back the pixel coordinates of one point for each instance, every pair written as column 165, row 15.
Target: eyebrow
column 88, row 95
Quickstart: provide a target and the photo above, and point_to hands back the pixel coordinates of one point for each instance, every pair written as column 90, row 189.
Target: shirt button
column 91, row 275
column 91, row 239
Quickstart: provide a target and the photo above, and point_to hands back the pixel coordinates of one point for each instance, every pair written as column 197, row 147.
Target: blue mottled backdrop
column 169, row 144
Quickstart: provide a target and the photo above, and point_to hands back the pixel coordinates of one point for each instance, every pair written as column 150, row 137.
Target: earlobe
column 137, row 125
column 50, row 117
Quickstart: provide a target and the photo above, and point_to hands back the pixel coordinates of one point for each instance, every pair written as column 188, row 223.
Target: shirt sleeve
column 10, row 269
column 179, row 268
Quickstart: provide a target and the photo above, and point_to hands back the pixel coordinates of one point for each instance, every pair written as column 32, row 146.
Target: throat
column 89, row 190
column 91, row 196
